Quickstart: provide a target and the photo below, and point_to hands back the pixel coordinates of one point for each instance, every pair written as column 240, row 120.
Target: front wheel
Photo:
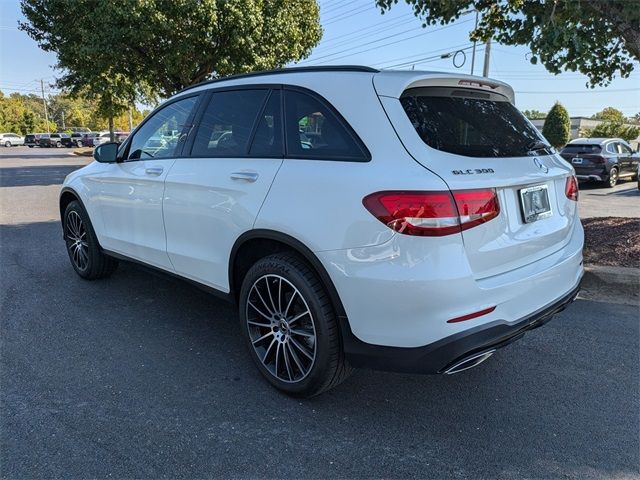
column 84, row 251
column 7, row 144
column 58, row 144
column 613, row 178
column 291, row 327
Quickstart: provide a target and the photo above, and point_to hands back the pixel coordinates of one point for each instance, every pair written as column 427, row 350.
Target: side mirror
column 106, row 153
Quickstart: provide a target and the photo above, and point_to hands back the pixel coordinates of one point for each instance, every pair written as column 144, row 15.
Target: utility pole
column 46, row 114
column 473, row 55
column 63, row 126
column 487, row 58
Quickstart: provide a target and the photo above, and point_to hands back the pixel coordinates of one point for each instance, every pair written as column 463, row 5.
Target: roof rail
column 319, row 68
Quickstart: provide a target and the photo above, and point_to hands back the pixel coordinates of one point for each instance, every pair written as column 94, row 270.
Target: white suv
column 406, row 221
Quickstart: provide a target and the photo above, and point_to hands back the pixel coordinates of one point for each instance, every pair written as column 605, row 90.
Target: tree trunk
column 112, row 135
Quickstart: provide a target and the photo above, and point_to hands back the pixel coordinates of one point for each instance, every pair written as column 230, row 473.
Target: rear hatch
column 467, row 131
column 584, row 157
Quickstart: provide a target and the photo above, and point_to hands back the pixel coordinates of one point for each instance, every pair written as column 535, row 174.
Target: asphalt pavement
column 148, row 377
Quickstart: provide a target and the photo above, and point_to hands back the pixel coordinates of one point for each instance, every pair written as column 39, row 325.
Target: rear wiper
column 537, row 145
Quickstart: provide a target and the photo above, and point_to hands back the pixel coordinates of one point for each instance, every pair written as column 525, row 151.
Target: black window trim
column 366, row 155
column 123, row 151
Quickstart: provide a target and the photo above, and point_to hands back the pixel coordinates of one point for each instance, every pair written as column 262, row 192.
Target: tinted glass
column 226, row 126
column 611, row 148
column 267, row 141
column 314, row 131
column 577, row 148
column 159, row 136
column 469, row 123
column 622, row 148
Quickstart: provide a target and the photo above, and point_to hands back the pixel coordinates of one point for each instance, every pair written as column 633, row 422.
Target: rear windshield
column 574, row 148
column 470, row 123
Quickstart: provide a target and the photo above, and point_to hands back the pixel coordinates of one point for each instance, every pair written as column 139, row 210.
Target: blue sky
column 356, row 33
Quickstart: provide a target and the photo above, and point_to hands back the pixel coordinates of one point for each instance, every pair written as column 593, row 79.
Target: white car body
column 11, row 139
column 102, row 137
column 187, row 216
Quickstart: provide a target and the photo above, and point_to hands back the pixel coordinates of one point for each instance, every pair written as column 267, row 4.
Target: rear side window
column 314, row 131
column 469, row 123
column 226, row 125
column 584, row 149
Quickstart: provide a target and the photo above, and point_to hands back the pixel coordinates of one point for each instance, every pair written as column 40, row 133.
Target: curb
column 617, row 284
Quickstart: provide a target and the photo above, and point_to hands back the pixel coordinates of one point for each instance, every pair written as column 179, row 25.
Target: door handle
column 153, row 170
column 247, row 176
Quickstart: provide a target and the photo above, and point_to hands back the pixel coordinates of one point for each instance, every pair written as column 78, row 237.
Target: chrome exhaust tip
column 469, row 362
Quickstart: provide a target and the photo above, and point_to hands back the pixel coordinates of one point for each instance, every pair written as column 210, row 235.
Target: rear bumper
column 439, row 356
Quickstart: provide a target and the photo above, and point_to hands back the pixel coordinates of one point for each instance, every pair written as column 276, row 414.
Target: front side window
column 314, row 131
column 623, row 149
column 226, row 125
column 611, row 148
column 159, row 137
column 470, row 123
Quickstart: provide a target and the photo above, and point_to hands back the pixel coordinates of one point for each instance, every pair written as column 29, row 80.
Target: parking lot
column 144, row 376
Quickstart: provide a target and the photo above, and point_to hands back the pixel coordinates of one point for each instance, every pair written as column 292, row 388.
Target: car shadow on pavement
column 35, row 175
column 141, row 375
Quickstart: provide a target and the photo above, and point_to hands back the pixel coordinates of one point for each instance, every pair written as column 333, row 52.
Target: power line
column 360, row 32
column 345, row 42
column 568, row 92
column 426, row 32
column 417, row 57
column 344, row 16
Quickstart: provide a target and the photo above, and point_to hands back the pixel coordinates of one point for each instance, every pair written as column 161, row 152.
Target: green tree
column 534, row 114
column 613, row 125
column 595, row 37
column 140, row 49
column 557, row 126
column 610, row 114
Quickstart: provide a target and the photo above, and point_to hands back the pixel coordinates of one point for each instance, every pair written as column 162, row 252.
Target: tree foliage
column 24, row 114
column 613, row 126
column 164, row 46
column 595, row 37
column 534, row 114
column 557, row 126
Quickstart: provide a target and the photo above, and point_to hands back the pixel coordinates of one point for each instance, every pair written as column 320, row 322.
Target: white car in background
column 400, row 220
column 11, row 139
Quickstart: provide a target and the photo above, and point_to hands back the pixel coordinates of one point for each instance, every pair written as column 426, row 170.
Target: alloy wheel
column 76, row 236
column 613, row 177
column 281, row 328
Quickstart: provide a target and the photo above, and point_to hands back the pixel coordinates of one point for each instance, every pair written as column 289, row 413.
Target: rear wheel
column 58, row 144
column 613, row 178
column 7, row 144
column 84, row 251
column 291, row 327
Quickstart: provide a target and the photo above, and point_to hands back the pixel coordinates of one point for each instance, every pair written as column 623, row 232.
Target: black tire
column 91, row 263
column 79, row 144
column 7, row 144
column 329, row 366
column 58, row 144
column 612, row 181
column 30, row 146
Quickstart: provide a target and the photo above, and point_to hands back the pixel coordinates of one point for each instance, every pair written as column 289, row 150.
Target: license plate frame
column 534, row 203
column 576, row 160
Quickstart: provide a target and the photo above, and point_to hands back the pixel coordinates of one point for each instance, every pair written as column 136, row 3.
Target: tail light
column 571, row 188
column 597, row 159
column 433, row 214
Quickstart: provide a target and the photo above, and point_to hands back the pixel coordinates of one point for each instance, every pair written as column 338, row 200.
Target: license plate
column 535, row 203
column 576, row 160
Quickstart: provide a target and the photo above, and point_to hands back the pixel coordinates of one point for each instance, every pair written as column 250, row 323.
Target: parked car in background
column 87, row 138
column 424, row 225
column 32, row 139
column 105, row 137
column 11, row 139
column 53, row 140
column 73, row 140
column 604, row 160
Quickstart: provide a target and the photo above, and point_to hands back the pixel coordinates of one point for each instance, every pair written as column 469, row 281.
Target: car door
column 214, row 195
column 131, row 190
column 625, row 158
